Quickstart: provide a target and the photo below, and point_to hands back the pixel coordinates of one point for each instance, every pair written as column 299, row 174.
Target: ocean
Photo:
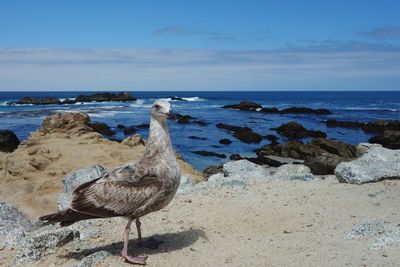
column 206, row 106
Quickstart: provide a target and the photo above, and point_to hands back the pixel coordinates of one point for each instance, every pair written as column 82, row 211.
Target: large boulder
column 324, row 164
column 377, row 164
column 245, row 169
column 295, row 130
column 11, row 219
column 378, row 126
column 244, row 134
column 43, row 243
column 293, row 172
column 363, row 148
column 389, row 139
column 65, row 122
column 8, row 141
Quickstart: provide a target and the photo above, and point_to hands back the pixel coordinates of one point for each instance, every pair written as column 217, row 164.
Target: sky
column 199, row 45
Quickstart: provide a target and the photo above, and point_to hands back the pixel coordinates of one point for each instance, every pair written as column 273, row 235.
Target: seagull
column 132, row 190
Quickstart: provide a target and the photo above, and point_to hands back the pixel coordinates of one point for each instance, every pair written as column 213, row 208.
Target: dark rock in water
column 245, row 105
column 200, row 122
column 388, row 139
column 143, row 126
column 209, row 154
column 269, row 110
column 197, row 138
column 344, row 124
column 39, row 101
column 102, row 128
column 213, row 169
column 225, row 141
column 259, row 161
column 272, row 138
column 177, row 98
column 183, row 119
column 244, row 134
column 106, row 97
column 276, row 161
column 120, row 126
column 325, row 149
column 68, row 101
column 295, row 130
column 8, row 141
column 304, row 110
column 235, row 157
column 130, row 130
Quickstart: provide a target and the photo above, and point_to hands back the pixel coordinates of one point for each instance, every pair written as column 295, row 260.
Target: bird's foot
column 139, row 260
column 151, row 243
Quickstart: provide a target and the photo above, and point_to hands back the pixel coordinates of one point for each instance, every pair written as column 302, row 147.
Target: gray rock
column 293, row 172
column 377, row 164
column 64, row 201
column 92, row 259
column 186, row 184
column 11, row 219
column 363, row 148
column 391, row 236
column 277, row 161
column 43, row 243
column 76, row 178
column 245, row 169
column 233, row 182
column 368, row 228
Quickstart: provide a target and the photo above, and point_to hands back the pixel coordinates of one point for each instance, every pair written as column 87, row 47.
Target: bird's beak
column 172, row 115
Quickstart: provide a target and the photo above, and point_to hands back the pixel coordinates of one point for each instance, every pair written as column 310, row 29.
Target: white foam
column 192, row 99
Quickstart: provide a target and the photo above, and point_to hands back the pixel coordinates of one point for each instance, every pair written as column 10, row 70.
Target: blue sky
column 199, row 45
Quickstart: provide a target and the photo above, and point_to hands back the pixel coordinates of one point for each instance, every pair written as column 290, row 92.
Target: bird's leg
column 134, row 260
column 151, row 243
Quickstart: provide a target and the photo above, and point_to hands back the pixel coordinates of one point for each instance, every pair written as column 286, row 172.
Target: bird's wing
column 118, row 192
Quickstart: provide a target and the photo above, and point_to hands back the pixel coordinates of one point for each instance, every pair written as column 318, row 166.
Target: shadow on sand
column 171, row 242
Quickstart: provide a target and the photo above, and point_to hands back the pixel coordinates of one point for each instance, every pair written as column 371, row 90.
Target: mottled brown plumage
column 132, row 190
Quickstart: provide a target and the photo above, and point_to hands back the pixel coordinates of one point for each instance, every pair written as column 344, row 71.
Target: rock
column 143, row 126
column 130, row 130
column 94, row 258
column 293, row 172
column 276, row 161
column 321, row 149
column 121, row 126
column 44, row 243
column 324, row 164
column 64, row 201
column 186, row 184
column 245, row 105
column 376, row 165
column 176, row 98
column 363, row 148
column 106, row 97
column 390, row 236
column 295, row 130
column 210, row 170
column 209, row 154
column 76, row 178
column 272, row 138
column 133, row 140
column 200, row 122
column 11, row 219
column 344, row 124
column 68, row 101
column 269, row 110
column 304, row 110
column 244, row 169
column 378, row 126
column 389, row 139
column 65, row 122
column 8, row 141
column 38, row 101
column 183, row 119
column 198, row 138
column 367, row 228
column 244, row 134
column 102, row 128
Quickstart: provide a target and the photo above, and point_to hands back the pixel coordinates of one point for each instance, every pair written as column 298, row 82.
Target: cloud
column 384, row 33
column 190, row 69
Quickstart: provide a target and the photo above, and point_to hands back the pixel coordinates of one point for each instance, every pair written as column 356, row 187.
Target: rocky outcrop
column 363, row 148
column 38, row 101
column 319, row 149
column 106, row 97
column 245, row 105
column 293, row 172
column 245, row 169
column 102, row 128
column 65, row 122
column 295, row 130
column 244, row 134
column 225, row 141
column 176, row 98
column 389, row 139
column 8, row 141
column 129, row 130
column 213, row 169
column 134, row 140
column 252, row 106
column 209, row 154
column 376, row 165
column 378, row 126
column 11, row 219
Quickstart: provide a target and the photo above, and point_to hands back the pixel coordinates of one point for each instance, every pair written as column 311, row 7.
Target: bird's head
column 161, row 110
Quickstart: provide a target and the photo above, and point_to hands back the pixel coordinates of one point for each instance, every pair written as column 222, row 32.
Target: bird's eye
column 156, row 106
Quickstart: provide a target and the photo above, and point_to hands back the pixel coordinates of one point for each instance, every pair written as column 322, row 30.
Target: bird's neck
column 159, row 142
